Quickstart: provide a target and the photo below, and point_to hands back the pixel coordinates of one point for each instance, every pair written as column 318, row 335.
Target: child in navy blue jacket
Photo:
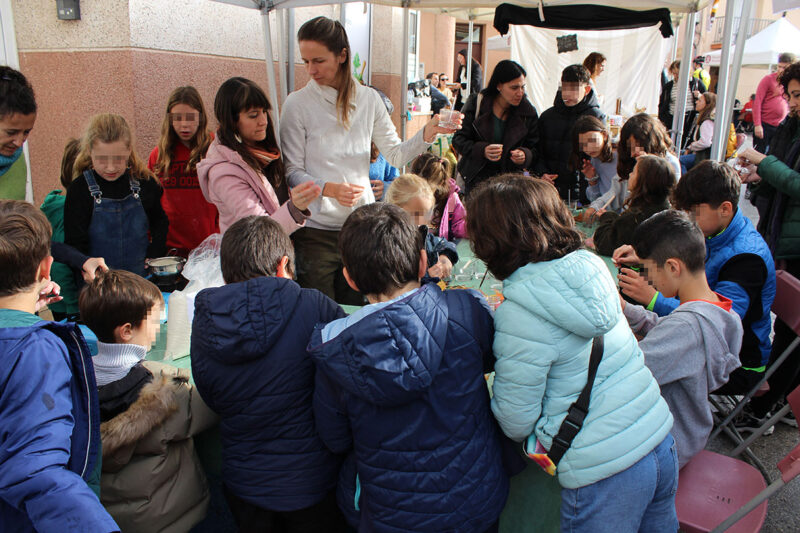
column 49, row 416
column 400, row 386
column 250, row 365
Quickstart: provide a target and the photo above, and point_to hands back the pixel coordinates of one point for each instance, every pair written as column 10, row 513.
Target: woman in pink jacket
column 242, row 173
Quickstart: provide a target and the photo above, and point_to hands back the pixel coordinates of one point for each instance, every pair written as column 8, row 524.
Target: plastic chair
column 787, row 294
column 718, row 493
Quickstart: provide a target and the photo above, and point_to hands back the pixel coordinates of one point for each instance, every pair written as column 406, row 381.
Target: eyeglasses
column 444, row 79
column 183, row 117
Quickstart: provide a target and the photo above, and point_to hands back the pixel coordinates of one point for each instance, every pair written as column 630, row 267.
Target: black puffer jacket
column 555, row 138
column 477, row 132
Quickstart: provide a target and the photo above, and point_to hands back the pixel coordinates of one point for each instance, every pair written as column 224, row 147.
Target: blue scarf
column 6, row 162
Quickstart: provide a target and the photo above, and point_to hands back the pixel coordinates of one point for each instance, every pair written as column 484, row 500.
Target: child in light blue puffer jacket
column 621, row 473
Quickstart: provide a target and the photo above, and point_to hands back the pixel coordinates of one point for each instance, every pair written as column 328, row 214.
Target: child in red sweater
column 184, row 141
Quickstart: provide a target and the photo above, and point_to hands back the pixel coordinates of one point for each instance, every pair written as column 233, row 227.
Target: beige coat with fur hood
column 152, row 480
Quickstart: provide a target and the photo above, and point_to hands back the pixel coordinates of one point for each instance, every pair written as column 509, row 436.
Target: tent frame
column 471, row 9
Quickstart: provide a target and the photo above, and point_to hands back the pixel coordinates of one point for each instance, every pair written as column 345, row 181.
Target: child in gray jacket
column 693, row 350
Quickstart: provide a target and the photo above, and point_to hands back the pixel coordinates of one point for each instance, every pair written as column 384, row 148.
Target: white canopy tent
column 481, row 9
column 763, row 47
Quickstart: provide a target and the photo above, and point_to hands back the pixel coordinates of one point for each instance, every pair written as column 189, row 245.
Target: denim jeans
column 687, row 162
column 638, row 499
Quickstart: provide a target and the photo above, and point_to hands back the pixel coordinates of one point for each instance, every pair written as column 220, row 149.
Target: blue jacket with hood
column 49, row 431
column 544, row 331
column 250, row 365
column 403, row 390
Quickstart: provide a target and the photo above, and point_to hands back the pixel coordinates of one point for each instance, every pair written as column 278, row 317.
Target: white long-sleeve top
column 317, row 147
column 705, row 137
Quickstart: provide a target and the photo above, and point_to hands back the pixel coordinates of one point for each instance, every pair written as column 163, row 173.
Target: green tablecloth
column 534, row 499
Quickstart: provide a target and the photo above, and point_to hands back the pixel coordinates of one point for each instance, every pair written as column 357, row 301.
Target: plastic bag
column 203, row 270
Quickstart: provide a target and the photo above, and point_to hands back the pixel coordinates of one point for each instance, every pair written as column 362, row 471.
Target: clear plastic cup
column 448, row 118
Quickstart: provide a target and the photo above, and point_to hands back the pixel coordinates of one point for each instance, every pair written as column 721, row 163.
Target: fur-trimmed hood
column 156, row 402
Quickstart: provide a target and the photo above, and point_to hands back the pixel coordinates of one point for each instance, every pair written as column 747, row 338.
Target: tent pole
column 290, row 49
column 282, row 40
column 724, row 75
column 342, row 15
column 404, row 73
column 747, row 12
column 273, row 91
column 683, row 80
column 469, row 61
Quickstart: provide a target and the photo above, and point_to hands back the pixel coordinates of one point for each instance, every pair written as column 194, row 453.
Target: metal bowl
column 165, row 266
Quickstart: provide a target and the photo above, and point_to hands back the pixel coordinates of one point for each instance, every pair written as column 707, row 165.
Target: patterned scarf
column 265, row 157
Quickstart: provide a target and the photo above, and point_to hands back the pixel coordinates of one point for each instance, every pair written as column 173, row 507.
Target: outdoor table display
column 534, row 498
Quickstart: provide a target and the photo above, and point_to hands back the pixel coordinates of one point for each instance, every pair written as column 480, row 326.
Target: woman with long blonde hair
column 113, row 206
column 183, row 143
column 327, row 130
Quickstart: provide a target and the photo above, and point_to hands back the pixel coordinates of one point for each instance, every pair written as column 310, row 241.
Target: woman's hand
column 346, row 194
column 549, row 177
column 752, row 156
column 517, row 156
column 377, row 188
column 442, row 269
column 304, row 194
column 492, row 152
column 635, row 286
column 48, row 294
column 90, row 267
column 432, row 128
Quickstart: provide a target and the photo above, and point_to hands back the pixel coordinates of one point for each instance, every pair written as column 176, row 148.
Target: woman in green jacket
column 776, row 194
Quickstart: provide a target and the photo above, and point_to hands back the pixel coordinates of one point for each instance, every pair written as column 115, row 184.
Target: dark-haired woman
column 476, row 78
column 242, row 173
column 500, row 130
column 327, row 131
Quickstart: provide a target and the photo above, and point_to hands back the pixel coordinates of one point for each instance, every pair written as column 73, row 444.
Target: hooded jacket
column 555, row 137
column 477, row 132
column 239, row 191
column 691, row 353
column 453, row 224
column 250, row 365
column 403, row 390
column 49, row 431
column 544, row 330
column 152, row 479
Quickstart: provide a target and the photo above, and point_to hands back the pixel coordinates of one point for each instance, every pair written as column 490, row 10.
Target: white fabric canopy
column 676, row 6
column 763, row 48
column 633, row 65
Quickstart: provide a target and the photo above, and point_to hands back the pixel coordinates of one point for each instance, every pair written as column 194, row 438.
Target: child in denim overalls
column 113, row 207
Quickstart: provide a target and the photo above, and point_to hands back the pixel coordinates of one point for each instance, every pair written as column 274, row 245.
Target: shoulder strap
column 576, row 414
column 94, row 189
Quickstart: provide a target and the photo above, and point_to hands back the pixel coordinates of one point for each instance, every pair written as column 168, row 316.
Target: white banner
column 634, row 60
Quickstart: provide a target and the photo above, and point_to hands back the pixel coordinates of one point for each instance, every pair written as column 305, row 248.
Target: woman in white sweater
column 702, row 132
column 326, row 132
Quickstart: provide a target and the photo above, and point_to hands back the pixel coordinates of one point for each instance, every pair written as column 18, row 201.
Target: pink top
column 769, row 107
column 454, row 218
column 239, row 191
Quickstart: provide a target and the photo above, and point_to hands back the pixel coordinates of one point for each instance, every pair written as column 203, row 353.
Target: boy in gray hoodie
column 693, row 350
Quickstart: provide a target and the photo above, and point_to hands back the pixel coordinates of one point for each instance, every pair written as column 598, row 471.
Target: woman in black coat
column 499, row 132
column 476, row 78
